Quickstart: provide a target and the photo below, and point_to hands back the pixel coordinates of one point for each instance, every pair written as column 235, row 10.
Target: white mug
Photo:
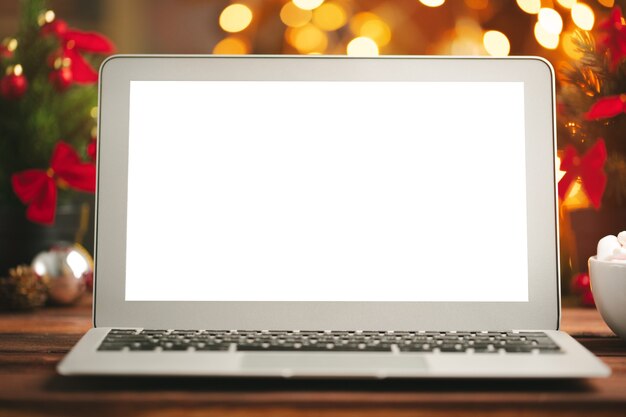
column 608, row 284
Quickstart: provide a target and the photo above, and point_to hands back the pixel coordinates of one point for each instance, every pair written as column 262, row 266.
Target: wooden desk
column 31, row 344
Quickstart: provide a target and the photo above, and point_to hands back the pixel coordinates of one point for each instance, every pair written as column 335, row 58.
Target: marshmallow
column 606, row 247
column 622, row 238
column 619, row 253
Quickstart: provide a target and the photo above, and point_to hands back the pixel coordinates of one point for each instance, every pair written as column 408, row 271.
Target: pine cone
column 22, row 289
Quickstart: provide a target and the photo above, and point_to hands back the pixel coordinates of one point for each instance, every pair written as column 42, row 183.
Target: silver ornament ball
column 65, row 267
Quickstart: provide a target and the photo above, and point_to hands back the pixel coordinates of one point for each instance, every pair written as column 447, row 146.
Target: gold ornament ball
column 65, row 267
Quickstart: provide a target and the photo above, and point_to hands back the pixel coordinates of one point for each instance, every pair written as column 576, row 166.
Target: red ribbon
column 73, row 42
column 38, row 188
column 607, row 107
column 590, row 169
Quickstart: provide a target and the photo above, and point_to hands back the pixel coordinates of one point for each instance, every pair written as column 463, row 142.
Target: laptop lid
column 276, row 192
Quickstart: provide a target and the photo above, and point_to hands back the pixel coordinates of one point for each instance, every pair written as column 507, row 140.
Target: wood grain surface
column 32, row 343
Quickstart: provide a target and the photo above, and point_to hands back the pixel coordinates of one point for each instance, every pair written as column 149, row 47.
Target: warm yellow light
column 49, row 16
column 235, row 18
column 529, row 6
column 583, row 17
column 466, row 46
column 466, row 27
column 359, row 19
column 432, row 3
column 10, row 44
column 231, row 46
column 308, row 4
column 607, row 3
column 546, row 39
column 550, row 20
column 362, row 46
column 567, row 3
column 371, row 26
column 576, row 197
column 496, row 43
column 329, row 16
column 17, row 70
column 307, row 39
column 377, row 30
column 293, row 16
column 570, row 48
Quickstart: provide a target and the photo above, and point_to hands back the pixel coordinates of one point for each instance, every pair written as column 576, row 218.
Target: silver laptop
column 327, row 216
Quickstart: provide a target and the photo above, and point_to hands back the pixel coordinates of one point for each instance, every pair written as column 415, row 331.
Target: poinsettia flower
column 607, row 107
column 612, row 36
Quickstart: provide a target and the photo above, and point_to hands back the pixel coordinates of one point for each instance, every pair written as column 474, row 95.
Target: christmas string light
column 319, row 26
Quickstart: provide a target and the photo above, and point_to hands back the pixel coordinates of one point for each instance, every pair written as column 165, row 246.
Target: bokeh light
column 583, row 16
column 307, row 39
column 496, row 43
column 529, row 6
column 308, row 4
column 567, row 3
column 607, row 3
column 330, row 16
column 546, row 39
column 362, row 46
column 369, row 25
column 235, row 18
column 550, row 20
column 231, row 46
column 569, row 47
column 293, row 16
column 432, row 3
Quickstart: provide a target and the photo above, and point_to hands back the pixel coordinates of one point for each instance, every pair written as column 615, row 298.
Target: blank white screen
column 326, row 191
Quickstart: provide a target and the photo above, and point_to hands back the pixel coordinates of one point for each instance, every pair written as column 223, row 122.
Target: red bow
column 37, row 187
column 73, row 42
column 589, row 168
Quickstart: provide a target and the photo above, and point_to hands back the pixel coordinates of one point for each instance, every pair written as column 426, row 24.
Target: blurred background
column 51, row 50
column 461, row 27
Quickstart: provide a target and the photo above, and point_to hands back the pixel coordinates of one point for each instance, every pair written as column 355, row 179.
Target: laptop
column 326, row 216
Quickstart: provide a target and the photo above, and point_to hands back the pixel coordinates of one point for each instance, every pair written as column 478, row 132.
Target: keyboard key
column 111, row 346
column 518, row 349
column 212, row 347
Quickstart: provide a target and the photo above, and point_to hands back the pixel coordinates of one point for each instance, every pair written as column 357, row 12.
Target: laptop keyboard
column 337, row 341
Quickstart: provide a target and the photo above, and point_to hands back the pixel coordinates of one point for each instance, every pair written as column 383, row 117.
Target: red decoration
column 91, row 149
column 5, row 52
column 61, row 78
column 57, row 27
column 7, row 48
column 581, row 284
column 14, row 85
column 589, row 168
column 612, row 36
column 37, row 187
column 73, row 43
column 607, row 107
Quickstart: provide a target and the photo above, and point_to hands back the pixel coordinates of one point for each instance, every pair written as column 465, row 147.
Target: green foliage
column 582, row 83
column 31, row 126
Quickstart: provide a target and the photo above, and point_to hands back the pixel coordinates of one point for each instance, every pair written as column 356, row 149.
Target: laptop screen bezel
column 110, row 307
